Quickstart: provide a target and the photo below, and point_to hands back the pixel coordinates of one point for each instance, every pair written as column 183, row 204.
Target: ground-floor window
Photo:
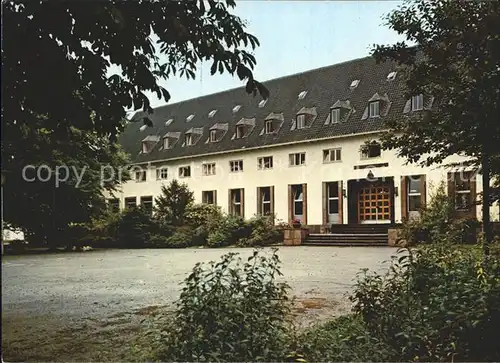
column 147, row 204
column 130, row 202
column 208, row 197
column 463, row 200
column 414, row 193
column 236, row 200
column 298, row 202
column 265, row 200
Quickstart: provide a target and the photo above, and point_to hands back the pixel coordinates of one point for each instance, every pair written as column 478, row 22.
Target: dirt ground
column 93, row 306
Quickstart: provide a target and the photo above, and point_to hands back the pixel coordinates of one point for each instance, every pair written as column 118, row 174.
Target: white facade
column 313, row 173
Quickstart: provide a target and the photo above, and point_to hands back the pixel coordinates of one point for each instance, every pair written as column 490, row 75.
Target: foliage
column 203, row 214
column 44, row 209
column 112, row 53
column 263, row 232
column 456, row 63
column 230, row 311
column 344, row 339
column 228, row 231
column 135, row 228
column 173, row 202
column 436, row 303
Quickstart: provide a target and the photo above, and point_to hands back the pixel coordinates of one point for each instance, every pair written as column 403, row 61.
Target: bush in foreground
column 230, row 311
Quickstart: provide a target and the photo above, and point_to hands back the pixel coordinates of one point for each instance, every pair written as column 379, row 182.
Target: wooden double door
column 375, row 203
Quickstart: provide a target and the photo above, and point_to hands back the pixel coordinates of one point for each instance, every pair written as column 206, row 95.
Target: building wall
column 314, row 172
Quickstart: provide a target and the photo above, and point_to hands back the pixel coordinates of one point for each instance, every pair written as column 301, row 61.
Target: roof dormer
column 304, row 118
column 243, row 128
column 418, row 103
column 217, row 132
column 272, row 123
column 170, row 139
column 149, row 143
column 192, row 136
column 339, row 112
column 378, row 106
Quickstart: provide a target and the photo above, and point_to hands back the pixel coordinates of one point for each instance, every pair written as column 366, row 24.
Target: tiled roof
column 325, row 87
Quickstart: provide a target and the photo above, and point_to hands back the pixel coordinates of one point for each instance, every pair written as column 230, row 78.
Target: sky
column 295, row 36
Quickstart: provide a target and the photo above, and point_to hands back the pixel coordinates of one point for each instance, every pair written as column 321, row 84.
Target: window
column 262, row 103
column 140, row 176
column 265, row 201
column 236, row 202
column 301, row 121
column 213, row 135
column 166, row 143
column 354, row 84
column 236, row 165
column 147, row 204
column 184, row 172
column 208, row 169
column 143, row 127
column 374, row 109
column 212, row 113
column 188, row 139
column 331, row 155
column 297, row 159
column 169, row 121
column 208, row 197
column 417, row 103
column 265, row 162
column 130, row 202
column 236, row 108
column 332, row 195
column 371, row 151
column 269, row 127
column 189, row 118
column 463, row 200
column 161, row 173
column 414, row 193
column 298, row 201
column 302, row 95
column 114, row 205
column 240, row 131
column 335, row 115
column 391, row 76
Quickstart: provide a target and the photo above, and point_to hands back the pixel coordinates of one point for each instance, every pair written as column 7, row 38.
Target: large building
column 299, row 155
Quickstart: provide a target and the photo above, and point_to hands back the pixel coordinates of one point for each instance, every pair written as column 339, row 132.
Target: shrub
column 344, row 339
column 436, row 303
column 173, row 202
column 263, row 232
column 203, row 214
column 230, row 311
column 135, row 228
column 228, row 231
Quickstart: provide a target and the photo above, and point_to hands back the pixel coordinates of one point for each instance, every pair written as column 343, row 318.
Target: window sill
column 296, row 166
column 332, row 162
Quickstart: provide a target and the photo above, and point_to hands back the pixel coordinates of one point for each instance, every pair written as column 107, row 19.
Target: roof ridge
column 263, row 82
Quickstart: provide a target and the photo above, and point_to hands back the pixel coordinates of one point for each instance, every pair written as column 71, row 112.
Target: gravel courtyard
column 47, row 297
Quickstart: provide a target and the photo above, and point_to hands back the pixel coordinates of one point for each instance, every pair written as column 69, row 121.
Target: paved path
column 100, row 283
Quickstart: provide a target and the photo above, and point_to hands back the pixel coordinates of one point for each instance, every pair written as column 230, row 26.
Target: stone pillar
column 295, row 236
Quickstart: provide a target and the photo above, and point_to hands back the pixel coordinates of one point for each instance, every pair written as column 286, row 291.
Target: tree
column 61, row 69
column 61, row 96
column 456, row 60
column 173, row 202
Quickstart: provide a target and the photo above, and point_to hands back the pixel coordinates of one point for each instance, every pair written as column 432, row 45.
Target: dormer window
column 169, row 121
column 269, row 127
column 392, row 76
column 240, row 131
column 417, row 102
column 188, row 139
column 302, row 95
column 262, row 103
column 301, row 121
column 374, row 109
column 149, row 143
column 236, row 108
column 354, row 84
column 212, row 113
column 166, row 143
column 213, row 135
column 335, row 115
column 143, row 127
column 189, row 118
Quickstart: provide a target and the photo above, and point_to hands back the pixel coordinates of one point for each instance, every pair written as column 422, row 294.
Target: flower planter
column 295, row 236
column 296, row 225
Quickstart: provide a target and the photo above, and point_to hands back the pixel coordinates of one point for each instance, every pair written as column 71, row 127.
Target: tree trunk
column 487, row 228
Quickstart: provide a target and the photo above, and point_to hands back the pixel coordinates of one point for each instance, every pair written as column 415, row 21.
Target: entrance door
column 374, row 204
